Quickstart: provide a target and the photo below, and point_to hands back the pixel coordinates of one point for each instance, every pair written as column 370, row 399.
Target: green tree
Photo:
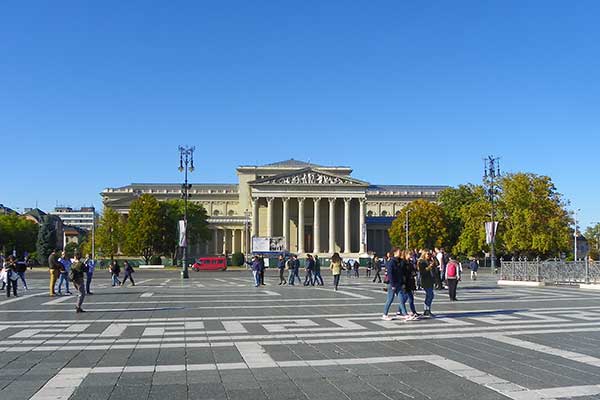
column 110, row 233
column 592, row 234
column 17, row 233
column 171, row 212
column 144, row 231
column 454, row 201
column 46, row 239
column 428, row 227
column 471, row 241
column 533, row 217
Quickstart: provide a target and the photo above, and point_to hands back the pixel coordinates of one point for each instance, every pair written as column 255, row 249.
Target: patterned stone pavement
column 215, row 336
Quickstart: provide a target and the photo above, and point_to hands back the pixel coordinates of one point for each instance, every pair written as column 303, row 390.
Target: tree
column 110, row 233
column 17, row 233
column 428, row 227
column 471, row 241
column 144, row 231
column 454, row 201
column 171, row 212
column 46, row 239
column 532, row 215
column 592, row 234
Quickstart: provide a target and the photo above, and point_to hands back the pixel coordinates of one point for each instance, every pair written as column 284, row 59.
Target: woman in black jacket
column 410, row 286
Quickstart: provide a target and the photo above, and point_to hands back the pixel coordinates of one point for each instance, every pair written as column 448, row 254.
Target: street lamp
column 406, row 226
column 186, row 163
column 575, row 234
column 491, row 172
column 246, row 233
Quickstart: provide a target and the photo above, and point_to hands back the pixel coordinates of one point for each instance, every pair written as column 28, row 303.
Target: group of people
column 11, row 272
column 115, row 271
column 76, row 270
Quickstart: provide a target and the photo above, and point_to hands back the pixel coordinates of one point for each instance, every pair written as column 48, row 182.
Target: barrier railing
column 551, row 271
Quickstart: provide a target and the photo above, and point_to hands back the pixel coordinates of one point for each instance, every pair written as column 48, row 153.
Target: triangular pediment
column 309, row 177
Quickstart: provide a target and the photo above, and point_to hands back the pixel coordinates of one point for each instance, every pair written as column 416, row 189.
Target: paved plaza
column 215, row 336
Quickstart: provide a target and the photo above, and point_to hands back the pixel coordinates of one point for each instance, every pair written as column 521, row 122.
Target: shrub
column 237, row 259
column 155, row 260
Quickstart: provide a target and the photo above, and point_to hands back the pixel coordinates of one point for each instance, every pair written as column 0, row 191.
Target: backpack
column 451, row 270
column 76, row 272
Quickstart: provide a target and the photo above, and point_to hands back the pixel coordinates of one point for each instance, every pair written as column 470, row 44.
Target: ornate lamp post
column 186, row 163
column 491, row 172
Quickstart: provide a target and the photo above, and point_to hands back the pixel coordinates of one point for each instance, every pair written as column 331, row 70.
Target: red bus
column 210, row 264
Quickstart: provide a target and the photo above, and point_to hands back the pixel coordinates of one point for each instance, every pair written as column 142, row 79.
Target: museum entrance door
column 308, row 239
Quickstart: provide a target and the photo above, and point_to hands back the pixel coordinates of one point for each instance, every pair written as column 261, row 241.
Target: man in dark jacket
column 281, row 268
column 76, row 276
column 396, row 283
column 317, row 272
column 295, row 269
column 309, row 267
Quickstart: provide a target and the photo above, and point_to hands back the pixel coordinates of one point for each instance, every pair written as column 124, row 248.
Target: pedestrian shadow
column 476, row 314
column 91, row 310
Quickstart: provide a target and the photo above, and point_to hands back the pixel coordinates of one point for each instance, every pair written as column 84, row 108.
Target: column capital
column 332, row 200
column 285, row 199
column 300, row 199
column 270, row 199
column 347, row 199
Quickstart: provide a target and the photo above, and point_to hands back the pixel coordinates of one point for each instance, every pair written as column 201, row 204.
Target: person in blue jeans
column 255, row 267
column 281, row 267
column 64, row 273
column 427, row 267
column 396, row 283
column 309, row 268
column 90, row 267
column 410, row 286
column 317, row 271
column 295, row 271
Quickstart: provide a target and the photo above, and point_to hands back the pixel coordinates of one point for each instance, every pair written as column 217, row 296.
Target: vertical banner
column 364, row 234
column 182, row 233
column 490, row 232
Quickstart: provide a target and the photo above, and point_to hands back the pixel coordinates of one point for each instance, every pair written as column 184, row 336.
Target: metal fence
column 551, row 271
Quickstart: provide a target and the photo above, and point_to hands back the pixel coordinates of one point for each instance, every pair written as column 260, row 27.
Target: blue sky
column 99, row 94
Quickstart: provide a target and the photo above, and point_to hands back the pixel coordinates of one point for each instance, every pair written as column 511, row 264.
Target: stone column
column 361, row 222
column 316, row 225
column 286, row 221
column 216, row 240
column 254, row 216
column 243, row 241
column 270, row 216
column 301, row 225
column 225, row 231
column 332, row 225
column 234, row 248
column 347, row 246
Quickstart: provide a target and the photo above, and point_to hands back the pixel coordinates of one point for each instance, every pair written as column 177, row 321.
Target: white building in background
column 317, row 209
column 82, row 218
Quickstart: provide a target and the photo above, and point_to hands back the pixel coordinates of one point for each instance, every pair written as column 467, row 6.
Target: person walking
column 407, row 292
column 64, row 273
column 336, row 269
column 115, row 270
column 76, row 275
column 369, row 266
column 317, row 272
column 281, row 267
column 349, row 266
column 395, row 284
column 295, row 269
column 377, row 267
column 90, row 264
column 308, row 271
column 12, row 278
column 427, row 267
column 356, row 267
column 256, row 270
column 54, row 268
column 261, row 273
column 3, row 272
column 474, row 267
column 129, row 271
column 21, row 268
column 453, row 276
column 289, row 265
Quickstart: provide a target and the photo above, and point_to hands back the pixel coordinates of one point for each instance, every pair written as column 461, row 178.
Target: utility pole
column 186, row 163
column 93, row 233
column 491, row 174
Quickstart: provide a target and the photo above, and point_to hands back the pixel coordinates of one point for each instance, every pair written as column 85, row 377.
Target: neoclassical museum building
column 317, row 209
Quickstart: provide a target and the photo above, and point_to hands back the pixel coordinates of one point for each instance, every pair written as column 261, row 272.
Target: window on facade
column 397, row 213
column 216, row 212
column 370, row 214
column 230, row 213
column 384, row 213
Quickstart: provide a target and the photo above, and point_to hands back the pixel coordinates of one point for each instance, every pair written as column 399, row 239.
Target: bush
column 155, row 260
column 237, row 259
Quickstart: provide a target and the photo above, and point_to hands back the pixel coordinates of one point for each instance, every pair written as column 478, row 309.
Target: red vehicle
column 210, row 264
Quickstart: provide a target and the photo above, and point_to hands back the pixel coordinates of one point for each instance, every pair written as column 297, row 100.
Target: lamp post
column 575, row 234
column 406, row 226
column 186, row 163
column 246, row 233
column 491, row 172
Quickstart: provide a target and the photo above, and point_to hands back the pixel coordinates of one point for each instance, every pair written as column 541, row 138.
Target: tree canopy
column 17, row 233
column 171, row 212
column 428, row 226
column 110, row 233
column 144, row 229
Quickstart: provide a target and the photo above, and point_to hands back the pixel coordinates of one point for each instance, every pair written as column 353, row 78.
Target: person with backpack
column 64, row 273
column 128, row 273
column 474, row 267
column 453, row 277
column 308, row 269
column 427, row 268
column 317, row 271
column 76, row 274
column 336, row 269
column 115, row 270
column 396, row 284
column 281, row 267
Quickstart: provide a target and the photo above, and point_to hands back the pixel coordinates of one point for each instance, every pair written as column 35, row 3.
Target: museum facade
column 316, row 209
